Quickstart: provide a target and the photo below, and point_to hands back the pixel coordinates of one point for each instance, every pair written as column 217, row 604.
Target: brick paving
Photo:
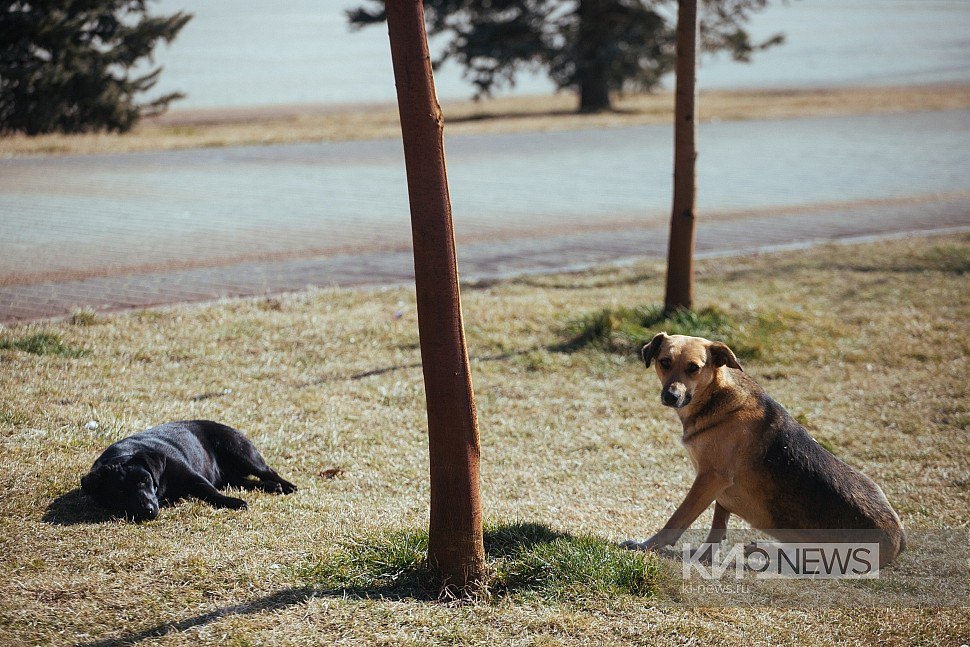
column 483, row 260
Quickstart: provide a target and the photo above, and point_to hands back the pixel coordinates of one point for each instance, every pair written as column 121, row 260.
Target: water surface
column 248, row 53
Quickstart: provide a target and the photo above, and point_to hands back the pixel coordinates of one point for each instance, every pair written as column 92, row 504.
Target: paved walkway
column 131, row 230
column 482, row 260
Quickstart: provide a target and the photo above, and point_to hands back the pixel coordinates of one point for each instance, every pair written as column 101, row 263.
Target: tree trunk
column 680, row 252
column 594, row 90
column 594, row 93
column 455, row 546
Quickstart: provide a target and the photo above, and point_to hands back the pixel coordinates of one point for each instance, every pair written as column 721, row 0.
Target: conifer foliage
column 592, row 47
column 68, row 65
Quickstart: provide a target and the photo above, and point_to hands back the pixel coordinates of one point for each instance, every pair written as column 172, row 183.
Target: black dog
column 178, row 459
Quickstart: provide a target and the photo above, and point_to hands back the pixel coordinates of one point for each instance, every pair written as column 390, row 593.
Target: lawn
column 866, row 345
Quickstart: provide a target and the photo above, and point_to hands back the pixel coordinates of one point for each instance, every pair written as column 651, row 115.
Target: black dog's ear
column 91, row 481
column 154, row 462
column 722, row 355
column 650, row 350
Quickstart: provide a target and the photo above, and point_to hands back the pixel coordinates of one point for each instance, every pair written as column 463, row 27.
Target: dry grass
column 872, row 356
column 232, row 127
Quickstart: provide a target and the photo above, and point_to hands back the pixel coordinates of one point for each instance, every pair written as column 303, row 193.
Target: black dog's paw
column 271, row 486
column 277, row 487
column 232, row 503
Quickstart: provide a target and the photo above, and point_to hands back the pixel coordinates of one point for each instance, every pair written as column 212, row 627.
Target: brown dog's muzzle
column 675, row 395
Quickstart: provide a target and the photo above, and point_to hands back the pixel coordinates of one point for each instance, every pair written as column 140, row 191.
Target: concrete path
column 754, row 233
column 119, row 231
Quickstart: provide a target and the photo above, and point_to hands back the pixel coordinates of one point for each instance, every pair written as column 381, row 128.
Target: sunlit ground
column 866, row 345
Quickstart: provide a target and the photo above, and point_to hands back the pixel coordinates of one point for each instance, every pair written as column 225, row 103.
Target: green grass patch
column 41, row 343
column 13, row 417
column 568, row 567
column 390, row 565
column 526, row 560
column 625, row 330
column 953, row 259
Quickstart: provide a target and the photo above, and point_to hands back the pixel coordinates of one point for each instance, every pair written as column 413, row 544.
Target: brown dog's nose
column 674, row 395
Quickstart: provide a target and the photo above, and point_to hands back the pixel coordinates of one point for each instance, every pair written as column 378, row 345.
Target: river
column 249, row 53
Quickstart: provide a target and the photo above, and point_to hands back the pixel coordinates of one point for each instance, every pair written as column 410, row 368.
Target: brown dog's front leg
column 716, row 535
column 702, row 493
column 718, row 525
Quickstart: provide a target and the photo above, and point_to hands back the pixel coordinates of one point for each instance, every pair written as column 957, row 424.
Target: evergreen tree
column 65, row 65
column 593, row 47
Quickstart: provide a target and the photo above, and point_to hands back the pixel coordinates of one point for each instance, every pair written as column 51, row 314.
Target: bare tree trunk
column 455, row 546
column 680, row 252
column 594, row 91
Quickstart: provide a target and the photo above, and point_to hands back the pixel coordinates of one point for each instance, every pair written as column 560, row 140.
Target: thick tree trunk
column 680, row 252
column 455, row 532
column 594, row 93
column 594, row 90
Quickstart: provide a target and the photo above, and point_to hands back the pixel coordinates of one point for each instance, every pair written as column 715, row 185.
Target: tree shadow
column 511, row 114
column 415, row 584
column 75, row 508
column 356, row 377
column 279, row 600
column 540, row 114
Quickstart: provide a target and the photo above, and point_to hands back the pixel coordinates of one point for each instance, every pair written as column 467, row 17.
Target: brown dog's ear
column 650, row 350
column 722, row 355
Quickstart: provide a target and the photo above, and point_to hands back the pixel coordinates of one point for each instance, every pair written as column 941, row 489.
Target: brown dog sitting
column 754, row 460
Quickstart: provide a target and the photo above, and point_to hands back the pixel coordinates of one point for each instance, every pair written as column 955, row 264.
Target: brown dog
column 754, row 460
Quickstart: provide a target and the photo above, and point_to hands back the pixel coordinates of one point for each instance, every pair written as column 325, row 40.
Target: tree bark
column 680, row 251
column 455, row 547
column 594, row 90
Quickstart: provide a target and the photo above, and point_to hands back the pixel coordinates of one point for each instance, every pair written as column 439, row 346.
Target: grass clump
column 625, row 330
column 41, row 343
column 573, row 567
column 524, row 559
column 84, row 317
column 391, row 565
column 954, row 259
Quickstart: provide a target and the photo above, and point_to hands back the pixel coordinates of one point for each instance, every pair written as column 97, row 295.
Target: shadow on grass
column 624, row 330
column 279, row 600
column 511, row 114
column 73, row 509
column 525, row 559
column 401, row 367
column 541, row 114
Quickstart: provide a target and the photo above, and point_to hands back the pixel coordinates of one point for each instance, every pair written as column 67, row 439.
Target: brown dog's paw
column 632, row 544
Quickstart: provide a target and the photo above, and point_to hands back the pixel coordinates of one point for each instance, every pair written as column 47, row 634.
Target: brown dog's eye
column 665, row 363
column 693, row 368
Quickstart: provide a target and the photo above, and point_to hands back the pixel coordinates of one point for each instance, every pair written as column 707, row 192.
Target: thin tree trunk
column 680, row 252
column 455, row 546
